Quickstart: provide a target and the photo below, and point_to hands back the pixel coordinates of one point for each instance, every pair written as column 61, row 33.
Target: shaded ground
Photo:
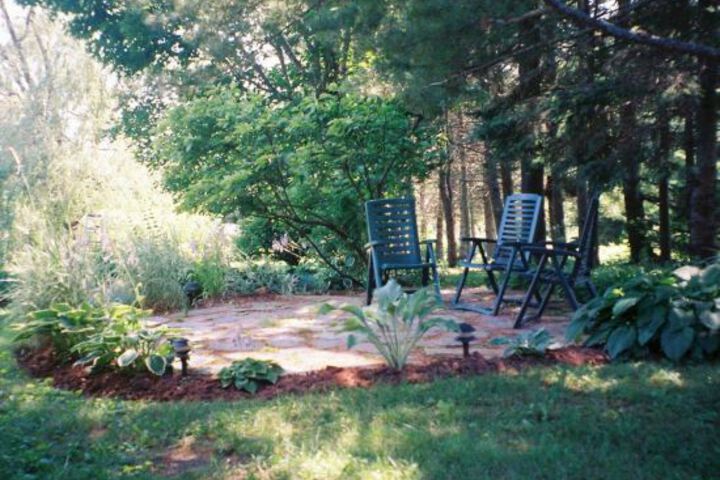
column 289, row 331
column 200, row 385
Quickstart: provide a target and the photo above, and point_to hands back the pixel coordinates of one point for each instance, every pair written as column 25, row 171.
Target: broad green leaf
column 711, row 319
column 156, row 364
column 351, row 341
column 326, row 308
column 127, row 358
column 648, row 326
column 623, row 305
column 675, row 343
column 620, row 340
column 251, row 386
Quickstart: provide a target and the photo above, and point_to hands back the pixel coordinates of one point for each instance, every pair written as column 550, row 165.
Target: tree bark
column 663, row 168
column 702, row 221
column 557, row 211
column 630, row 160
column 446, row 201
column 689, row 149
column 492, row 188
column 440, row 245
column 506, row 180
column 532, row 172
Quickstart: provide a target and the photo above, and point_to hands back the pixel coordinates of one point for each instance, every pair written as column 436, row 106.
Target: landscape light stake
column 181, row 347
column 466, row 336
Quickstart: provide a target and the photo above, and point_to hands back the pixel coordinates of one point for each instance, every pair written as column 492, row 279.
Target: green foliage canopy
column 307, row 165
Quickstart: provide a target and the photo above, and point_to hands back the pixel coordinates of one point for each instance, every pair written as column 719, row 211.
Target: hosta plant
column 533, row 343
column 126, row 343
column 677, row 316
column 396, row 323
column 62, row 324
column 248, row 374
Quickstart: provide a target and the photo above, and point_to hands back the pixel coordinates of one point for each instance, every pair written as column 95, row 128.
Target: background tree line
column 288, row 115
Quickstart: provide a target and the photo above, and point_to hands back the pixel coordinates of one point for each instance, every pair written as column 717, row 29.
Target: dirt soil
column 203, row 386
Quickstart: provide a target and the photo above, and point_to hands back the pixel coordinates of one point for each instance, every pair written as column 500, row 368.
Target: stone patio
column 289, row 331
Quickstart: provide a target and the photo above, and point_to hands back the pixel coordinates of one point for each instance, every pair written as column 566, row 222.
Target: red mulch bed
column 199, row 386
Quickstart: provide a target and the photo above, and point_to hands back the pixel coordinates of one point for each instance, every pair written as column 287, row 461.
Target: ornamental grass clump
column 396, row 323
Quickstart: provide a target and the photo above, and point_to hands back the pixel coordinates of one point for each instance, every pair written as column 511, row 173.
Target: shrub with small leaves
column 248, row 374
column 533, row 343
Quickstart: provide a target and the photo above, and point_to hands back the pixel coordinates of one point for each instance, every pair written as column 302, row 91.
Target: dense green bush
column 677, row 316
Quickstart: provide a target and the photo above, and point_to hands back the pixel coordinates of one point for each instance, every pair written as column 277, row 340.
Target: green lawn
column 623, row 421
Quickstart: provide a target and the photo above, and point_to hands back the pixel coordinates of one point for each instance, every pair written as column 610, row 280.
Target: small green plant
column 533, row 343
column 62, row 324
column 126, row 343
column 249, row 373
column 396, row 324
column 676, row 315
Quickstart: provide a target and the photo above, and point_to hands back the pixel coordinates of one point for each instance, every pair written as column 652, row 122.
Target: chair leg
column 545, row 300
column 493, row 282
column 436, row 282
column 567, row 288
column 461, row 285
column 532, row 292
column 591, row 289
column 501, row 292
column 425, row 277
column 370, row 283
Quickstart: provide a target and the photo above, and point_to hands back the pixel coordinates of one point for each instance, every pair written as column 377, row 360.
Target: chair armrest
column 372, row 244
column 551, row 251
column 478, row 240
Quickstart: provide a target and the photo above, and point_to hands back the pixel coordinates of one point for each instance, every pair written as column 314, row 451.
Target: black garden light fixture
column 466, row 336
column 181, row 347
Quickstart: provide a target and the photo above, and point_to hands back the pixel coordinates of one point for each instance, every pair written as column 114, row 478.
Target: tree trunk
column 492, row 188
column 465, row 226
column 446, row 201
column 702, row 218
column 689, row 148
column 663, row 167
column 506, row 179
column 630, row 159
column 532, row 172
column 440, row 245
column 557, row 211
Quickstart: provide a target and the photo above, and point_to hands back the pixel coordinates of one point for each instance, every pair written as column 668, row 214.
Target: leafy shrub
column 249, row 373
column 533, row 343
column 616, row 273
column 63, row 325
column 210, row 274
column 677, row 316
column 125, row 342
column 396, row 323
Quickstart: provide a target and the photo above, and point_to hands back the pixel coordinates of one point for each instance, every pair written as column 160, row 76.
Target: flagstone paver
column 288, row 330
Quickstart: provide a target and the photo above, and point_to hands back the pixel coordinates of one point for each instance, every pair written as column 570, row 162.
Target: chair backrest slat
column 393, row 222
column 518, row 223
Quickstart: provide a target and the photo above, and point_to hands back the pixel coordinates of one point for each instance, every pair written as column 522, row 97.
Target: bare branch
column 670, row 44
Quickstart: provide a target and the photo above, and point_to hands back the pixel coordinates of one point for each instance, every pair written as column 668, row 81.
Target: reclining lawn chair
column 517, row 226
column 555, row 268
column 394, row 244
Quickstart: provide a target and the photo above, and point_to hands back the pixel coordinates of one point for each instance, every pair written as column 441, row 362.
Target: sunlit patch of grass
column 588, row 381
column 666, row 378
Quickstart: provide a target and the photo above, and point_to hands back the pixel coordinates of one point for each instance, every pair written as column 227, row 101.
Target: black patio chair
column 394, row 243
column 567, row 265
column 520, row 217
